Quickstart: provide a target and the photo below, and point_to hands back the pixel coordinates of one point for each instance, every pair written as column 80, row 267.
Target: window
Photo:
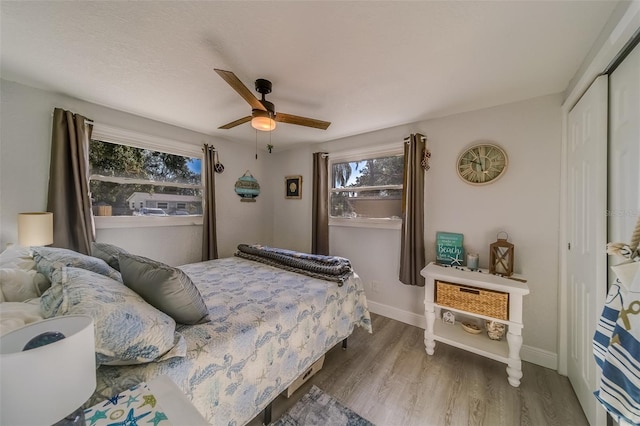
column 134, row 175
column 366, row 186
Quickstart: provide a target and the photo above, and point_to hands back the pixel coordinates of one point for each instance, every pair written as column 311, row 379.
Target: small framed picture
column 293, row 187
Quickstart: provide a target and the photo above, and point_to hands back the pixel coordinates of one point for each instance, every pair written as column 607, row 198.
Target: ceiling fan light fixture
column 263, row 117
column 262, row 121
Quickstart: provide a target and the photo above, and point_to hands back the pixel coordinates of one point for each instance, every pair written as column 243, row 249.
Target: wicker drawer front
column 493, row 304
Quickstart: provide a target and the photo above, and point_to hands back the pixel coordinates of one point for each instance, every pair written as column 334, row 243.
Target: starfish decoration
column 99, row 414
column 259, row 321
column 130, row 420
column 199, row 349
column 262, row 376
column 456, row 260
column 160, row 416
column 148, row 400
column 132, row 399
column 156, row 324
column 115, row 399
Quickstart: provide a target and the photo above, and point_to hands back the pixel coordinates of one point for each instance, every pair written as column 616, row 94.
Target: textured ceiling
column 361, row 65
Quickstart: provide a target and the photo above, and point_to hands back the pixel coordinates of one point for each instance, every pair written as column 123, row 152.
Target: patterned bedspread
column 268, row 326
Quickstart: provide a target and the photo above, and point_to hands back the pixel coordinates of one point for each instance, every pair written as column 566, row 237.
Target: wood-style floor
column 388, row 378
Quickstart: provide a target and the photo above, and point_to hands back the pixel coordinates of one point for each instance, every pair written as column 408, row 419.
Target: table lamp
column 35, row 228
column 48, row 383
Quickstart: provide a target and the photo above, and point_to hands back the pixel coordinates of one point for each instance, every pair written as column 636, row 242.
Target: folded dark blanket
column 329, row 268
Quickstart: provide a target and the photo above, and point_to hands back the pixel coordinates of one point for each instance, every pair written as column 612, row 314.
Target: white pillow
column 14, row 315
column 16, row 256
column 17, row 285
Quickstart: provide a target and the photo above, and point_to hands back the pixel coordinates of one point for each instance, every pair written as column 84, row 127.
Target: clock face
column 482, row 164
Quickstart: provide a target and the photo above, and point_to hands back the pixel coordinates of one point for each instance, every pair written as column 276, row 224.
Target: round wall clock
column 482, row 164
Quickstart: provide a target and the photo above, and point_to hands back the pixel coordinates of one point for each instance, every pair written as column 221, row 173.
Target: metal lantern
column 501, row 256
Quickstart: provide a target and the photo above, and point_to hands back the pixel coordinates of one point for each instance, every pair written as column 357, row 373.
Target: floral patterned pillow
column 127, row 329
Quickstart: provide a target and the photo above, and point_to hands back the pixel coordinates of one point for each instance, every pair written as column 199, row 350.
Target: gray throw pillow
column 50, row 258
column 108, row 252
column 167, row 288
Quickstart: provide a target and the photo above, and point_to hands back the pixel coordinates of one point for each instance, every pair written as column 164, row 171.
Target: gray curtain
column 412, row 251
column 320, row 207
column 209, row 237
column 69, row 199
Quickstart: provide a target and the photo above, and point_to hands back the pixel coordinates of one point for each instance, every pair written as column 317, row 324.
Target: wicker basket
column 494, row 304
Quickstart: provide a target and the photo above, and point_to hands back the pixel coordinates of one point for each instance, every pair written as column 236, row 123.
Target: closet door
column 624, row 149
column 587, row 225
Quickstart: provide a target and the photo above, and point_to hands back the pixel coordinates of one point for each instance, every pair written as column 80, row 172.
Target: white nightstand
column 507, row 352
column 160, row 392
column 176, row 405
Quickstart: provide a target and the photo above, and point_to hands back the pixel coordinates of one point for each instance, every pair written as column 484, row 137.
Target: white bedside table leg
column 514, row 365
column 429, row 341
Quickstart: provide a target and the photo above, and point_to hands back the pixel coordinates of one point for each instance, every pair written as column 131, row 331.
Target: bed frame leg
column 344, row 344
column 267, row 414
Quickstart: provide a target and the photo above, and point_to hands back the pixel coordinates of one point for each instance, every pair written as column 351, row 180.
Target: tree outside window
column 123, row 177
column 367, row 188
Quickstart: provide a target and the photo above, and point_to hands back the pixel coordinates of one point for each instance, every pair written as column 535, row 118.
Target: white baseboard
column 397, row 314
column 527, row 353
column 539, row 357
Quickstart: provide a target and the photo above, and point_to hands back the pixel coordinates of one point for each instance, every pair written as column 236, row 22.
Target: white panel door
column 586, row 260
column 624, row 148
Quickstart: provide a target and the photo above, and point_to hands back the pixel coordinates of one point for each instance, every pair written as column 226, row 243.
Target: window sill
column 108, row 222
column 367, row 223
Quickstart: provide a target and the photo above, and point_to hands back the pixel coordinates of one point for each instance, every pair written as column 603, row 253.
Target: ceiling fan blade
column 242, row 90
column 301, row 121
column 236, row 122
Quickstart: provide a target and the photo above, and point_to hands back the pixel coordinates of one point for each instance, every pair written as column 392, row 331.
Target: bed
column 265, row 326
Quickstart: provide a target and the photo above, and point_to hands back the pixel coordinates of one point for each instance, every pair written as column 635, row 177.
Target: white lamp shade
column 35, row 228
column 43, row 385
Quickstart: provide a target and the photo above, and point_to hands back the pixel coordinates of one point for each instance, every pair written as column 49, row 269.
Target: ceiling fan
column 263, row 113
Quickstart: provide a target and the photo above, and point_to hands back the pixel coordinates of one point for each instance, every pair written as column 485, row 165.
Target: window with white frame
column 366, row 186
column 139, row 175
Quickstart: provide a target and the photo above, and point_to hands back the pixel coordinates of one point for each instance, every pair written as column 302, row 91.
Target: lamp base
column 74, row 419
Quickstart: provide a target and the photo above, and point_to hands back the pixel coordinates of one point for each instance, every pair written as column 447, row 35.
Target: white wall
column 292, row 217
column 25, row 139
column 524, row 202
